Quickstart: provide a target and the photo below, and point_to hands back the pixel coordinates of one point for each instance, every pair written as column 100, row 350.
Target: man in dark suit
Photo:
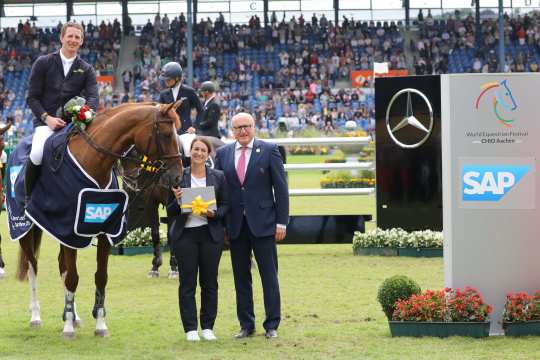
column 258, row 217
column 54, row 80
column 208, row 121
column 171, row 75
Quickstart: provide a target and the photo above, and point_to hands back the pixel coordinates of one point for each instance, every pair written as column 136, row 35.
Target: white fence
column 340, row 141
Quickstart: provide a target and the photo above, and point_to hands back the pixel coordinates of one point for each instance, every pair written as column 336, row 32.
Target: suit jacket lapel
column 58, row 61
column 254, row 158
column 209, row 178
column 232, row 152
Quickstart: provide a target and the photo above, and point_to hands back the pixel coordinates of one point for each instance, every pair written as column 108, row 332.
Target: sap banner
column 490, row 137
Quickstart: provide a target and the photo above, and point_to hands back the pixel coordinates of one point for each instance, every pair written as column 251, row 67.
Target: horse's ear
column 177, row 103
column 165, row 108
column 6, row 128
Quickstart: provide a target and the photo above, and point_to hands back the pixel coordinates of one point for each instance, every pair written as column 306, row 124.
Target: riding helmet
column 208, row 86
column 171, row 71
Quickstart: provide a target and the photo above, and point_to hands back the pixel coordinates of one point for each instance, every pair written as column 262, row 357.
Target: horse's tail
column 28, row 253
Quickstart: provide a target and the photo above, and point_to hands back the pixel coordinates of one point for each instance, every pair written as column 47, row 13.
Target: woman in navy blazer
column 197, row 242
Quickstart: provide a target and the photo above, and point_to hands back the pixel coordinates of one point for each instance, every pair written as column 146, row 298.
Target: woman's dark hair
column 204, row 141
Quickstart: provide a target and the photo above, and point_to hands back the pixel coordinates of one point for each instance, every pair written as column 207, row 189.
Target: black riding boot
column 30, row 179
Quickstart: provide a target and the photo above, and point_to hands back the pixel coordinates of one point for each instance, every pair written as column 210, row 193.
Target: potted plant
column 521, row 316
column 443, row 313
column 396, row 288
column 139, row 241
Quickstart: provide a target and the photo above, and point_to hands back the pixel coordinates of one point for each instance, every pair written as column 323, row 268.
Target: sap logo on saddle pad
column 98, row 213
column 490, row 182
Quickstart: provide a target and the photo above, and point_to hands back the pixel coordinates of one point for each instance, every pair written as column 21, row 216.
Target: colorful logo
column 502, row 100
column 13, row 173
column 490, row 182
column 98, row 213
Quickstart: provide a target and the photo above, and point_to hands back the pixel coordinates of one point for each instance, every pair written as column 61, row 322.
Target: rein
column 156, row 136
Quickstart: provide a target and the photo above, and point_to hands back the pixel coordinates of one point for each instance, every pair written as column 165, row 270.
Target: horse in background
column 2, row 145
column 138, row 181
column 152, row 129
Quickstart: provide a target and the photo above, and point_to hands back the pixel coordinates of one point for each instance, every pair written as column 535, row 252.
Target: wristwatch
column 44, row 116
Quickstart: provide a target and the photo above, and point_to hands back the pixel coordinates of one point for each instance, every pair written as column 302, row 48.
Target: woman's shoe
column 192, row 335
column 208, row 334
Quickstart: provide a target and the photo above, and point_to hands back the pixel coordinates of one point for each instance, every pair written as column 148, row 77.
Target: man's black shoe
column 244, row 333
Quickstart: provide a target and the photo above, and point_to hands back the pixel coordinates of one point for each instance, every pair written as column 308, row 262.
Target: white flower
column 88, row 115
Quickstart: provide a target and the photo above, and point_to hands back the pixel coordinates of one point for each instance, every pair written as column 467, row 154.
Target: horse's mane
column 111, row 113
column 123, row 107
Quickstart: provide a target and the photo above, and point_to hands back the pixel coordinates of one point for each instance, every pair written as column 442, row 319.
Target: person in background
column 172, row 75
column 208, row 121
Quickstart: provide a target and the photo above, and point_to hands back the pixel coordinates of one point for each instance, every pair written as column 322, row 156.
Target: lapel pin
column 258, row 150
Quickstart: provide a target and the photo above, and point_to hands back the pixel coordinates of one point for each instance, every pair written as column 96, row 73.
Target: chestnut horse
column 152, row 129
column 2, row 145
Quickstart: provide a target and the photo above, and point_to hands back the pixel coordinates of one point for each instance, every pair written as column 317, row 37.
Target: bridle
column 156, row 136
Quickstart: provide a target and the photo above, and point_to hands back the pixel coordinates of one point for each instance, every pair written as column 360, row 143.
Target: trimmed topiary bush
column 398, row 287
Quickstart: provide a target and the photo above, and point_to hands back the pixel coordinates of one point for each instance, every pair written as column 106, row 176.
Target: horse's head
column 160, row 144
column 505, row 97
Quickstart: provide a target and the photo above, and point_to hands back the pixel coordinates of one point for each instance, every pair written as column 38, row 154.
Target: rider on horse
column 172, row 75
column 55, row 79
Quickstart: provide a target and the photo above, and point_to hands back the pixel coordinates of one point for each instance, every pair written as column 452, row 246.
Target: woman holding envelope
column 197, row 235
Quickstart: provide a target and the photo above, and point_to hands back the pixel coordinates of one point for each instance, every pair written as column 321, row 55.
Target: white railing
column 331, row 192
column 331, row 166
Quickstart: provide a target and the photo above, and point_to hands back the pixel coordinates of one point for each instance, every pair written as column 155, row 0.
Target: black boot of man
column 30, row 179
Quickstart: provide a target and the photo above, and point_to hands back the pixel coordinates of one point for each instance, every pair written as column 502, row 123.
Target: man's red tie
column 241, row 166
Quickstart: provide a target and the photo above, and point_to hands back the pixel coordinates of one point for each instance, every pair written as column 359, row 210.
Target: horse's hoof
column 68, row 335
column 153, row 274
column 173, row 275
column 101, row 333
column 2, row 273
column 35, row 323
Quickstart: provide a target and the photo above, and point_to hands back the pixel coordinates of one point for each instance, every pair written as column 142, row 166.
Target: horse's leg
column 102, row 257
column 63, row 272
column 71, row 281
column 27, row 266
column 173, row 272
column 152, row 210
column 2, row 265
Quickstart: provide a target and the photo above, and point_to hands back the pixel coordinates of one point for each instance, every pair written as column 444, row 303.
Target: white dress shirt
column 176, row 90
column 66, row 63
column 207, row 101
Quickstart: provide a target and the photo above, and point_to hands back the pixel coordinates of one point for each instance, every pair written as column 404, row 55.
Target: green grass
column 329, row 310
column 328, row 302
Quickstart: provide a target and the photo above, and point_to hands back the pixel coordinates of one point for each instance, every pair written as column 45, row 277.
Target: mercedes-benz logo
column 409, row 119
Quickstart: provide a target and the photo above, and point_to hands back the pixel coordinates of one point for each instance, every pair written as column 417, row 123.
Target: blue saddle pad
column 66, row 202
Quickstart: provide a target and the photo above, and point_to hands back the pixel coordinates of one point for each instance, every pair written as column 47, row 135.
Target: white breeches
column 41, row 133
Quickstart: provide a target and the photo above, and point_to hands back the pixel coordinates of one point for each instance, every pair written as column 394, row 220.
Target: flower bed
column 521, row 315
column 344, row 179
column 398, row 242
column 442, row 313
column 139, row 241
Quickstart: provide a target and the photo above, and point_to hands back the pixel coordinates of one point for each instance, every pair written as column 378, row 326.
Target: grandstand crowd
column 295, row 71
